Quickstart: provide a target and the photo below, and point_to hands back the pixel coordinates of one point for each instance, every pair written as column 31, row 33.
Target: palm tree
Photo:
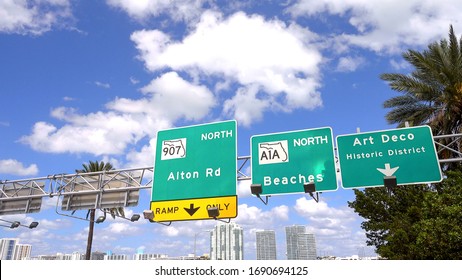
column 95, row 167
column 432, row 93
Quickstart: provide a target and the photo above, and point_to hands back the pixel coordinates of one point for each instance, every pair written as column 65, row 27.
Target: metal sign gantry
column 94, row 190
column 25, row 195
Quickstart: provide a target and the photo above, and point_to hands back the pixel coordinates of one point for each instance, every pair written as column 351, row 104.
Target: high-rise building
column 22, row 252
column 227, row 242
column 300, row 245
column 7, row 248
column 266, row 245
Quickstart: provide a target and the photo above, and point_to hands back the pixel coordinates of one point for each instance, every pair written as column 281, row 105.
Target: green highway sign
column 193, row 166
column 409, row 154
column 283, row 162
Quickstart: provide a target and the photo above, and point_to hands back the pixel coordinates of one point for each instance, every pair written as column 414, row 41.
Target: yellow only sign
column 194, row 209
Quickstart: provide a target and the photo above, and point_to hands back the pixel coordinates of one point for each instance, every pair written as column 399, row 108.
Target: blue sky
column 96, row 80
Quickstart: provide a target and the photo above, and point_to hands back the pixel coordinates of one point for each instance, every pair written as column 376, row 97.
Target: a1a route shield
column 409, row 154
column 283, row 162
column 195, row 168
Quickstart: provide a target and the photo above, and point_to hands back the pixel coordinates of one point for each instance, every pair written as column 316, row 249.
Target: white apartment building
column 266, row 245
column 227, row 242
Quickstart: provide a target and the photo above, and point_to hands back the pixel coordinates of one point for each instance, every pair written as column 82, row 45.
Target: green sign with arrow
column 195, row 169
column 409, row 154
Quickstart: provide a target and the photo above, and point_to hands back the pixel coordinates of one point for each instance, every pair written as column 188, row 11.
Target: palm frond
column 432, row 92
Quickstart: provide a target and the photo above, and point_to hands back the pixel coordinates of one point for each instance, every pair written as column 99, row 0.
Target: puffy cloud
column 120, row 228
column 333, row 227
column 276, row 66
column 177, row 98
column 14, row 167
column 322, row 216
column 33, row 16
column 381, row 26
column 127, row 121
column 97, row 133
column 252, row 217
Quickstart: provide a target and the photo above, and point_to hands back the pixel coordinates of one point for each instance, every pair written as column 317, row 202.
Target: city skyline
column 97, row 80
column 226, row 243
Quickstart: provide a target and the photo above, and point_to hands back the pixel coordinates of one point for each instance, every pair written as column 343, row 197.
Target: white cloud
column 33, row 16
column 251, row 217
column 177, row 98
column 168, row 98
column 349, row 64
column 316, row 211
column 243, row 188
column 14, row 167
column 246, row 107
column 143, row 156
column 178, row 10
column 332, row 226
column 388, row 25
column 399, row 65
column 97, row 133
column 121, row 229
column 276, row 65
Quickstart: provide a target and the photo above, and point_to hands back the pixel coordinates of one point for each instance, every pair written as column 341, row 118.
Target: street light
column 133, row 218
column 149, row 215
column 256, row 189
column 16, row 224
column 101, row 219
column 33, row 225
column 213, row 212
column 310, row 188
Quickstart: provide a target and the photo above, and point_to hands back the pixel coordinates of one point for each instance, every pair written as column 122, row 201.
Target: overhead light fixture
column 148, row 215
column 256, row 189
column 100, row 219
column 389, row 181
column 310, row 188
column 15, row 224
column 213, row 212
column 135, row 217
column 33, row 225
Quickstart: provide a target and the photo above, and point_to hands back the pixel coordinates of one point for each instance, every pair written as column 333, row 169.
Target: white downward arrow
column 388, row 171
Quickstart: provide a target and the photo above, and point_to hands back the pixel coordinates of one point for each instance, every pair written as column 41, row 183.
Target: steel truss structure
column 120, row 188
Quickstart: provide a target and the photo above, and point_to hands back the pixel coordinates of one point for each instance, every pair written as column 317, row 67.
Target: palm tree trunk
column 90, row 234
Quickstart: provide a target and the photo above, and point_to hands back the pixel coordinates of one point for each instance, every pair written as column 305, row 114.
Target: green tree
column 414, row 222
column 421, row 222
column 440, row 228
column 95, row 166
column 389, row 217
column 432, row 93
